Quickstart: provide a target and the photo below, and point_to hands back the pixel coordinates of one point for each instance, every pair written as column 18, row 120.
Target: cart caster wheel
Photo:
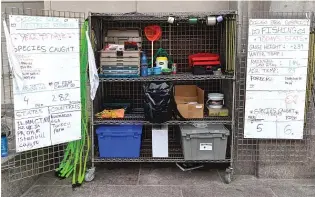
column 227, row 178
column 228, row 175
column 90, row 175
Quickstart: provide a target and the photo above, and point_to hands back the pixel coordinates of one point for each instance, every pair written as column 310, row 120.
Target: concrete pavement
column 145, row 180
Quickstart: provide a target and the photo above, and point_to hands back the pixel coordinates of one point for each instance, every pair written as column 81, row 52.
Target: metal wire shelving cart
column 180, row 41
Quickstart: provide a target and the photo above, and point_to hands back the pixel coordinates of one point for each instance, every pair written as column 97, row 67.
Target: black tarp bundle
column 158, row 105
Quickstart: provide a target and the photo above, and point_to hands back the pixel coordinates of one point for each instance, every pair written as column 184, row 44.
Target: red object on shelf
column 206, row 63
column 204, row 59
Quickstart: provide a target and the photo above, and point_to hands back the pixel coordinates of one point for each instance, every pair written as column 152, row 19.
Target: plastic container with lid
column 162, row 62
column 215, row 100
column 204, row 142
column 119, row 141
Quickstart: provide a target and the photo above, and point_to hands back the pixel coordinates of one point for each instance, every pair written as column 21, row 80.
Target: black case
column 204, row 70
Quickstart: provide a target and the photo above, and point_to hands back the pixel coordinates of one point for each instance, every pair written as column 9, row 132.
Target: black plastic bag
column 158, row 105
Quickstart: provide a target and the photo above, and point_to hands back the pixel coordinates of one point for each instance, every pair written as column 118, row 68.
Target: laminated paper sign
column 48, row 108
column 277, row 62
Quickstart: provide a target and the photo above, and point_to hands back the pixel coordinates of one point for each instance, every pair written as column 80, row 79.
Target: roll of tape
column 193, row 21
column 219, row 19
column 211, row 20
column 171, row 20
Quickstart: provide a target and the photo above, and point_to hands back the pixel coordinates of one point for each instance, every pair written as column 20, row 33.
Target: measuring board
column 48, row 108
column 277, row 60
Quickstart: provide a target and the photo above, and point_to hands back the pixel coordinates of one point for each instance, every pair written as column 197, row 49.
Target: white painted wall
column 137, row 6
column 292, row 6
column 177, row 6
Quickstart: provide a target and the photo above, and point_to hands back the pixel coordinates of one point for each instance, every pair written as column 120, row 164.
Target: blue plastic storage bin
column 119, row 141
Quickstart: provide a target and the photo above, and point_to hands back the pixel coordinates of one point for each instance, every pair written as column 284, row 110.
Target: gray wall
column 178, row 6
column 137, row 6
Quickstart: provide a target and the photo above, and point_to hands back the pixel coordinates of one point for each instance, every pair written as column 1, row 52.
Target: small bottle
column 144, row 65
column 174, row 68
column 144, row 59
column 144, row 71
column 4, row 145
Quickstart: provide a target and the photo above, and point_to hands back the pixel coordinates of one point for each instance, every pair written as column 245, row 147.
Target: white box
column 160, row 141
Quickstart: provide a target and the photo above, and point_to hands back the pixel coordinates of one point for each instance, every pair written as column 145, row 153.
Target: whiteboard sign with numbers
column 277, row 60
column 48, row 108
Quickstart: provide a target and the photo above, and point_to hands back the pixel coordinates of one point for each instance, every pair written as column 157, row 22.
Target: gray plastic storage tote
column 207, row 143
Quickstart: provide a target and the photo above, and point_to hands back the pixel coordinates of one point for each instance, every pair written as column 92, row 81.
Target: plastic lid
column 215, row 96
column 110, row 129
column 161, row 59
column 211, row 129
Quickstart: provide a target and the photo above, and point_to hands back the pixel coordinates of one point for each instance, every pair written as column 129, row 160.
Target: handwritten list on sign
column 48, row 108
column 277, row 60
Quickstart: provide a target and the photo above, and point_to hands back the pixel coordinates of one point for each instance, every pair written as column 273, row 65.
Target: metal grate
column 133, row 91
column 159, row 15
column 175, row 155
column 273, row 151
column 179, row 41
column 34, row 162
column 137, row 119
column 177, row 77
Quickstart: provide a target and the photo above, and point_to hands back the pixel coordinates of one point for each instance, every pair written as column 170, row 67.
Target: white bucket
column 215, row 100
column 161, row 62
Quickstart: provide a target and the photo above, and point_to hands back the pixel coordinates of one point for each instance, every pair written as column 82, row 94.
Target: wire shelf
column 180, row 41
column 138, row 119
column 160, row 16
column 175, row 155
column 176, row 77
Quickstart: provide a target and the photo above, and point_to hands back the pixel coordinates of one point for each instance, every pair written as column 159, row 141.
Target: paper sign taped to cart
column 277, row 60
column 48, row 108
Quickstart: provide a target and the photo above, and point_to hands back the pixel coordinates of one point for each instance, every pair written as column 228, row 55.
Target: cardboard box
column 218, row 112
column 160, row 141
column 189, row 100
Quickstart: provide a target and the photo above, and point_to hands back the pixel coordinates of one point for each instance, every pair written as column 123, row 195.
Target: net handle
column 152, row 53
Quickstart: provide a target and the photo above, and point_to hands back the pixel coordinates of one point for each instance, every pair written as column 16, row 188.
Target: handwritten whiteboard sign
column 48, row 108
column 277, row 61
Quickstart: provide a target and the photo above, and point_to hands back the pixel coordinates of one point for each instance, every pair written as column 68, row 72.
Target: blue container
column 119, row 141
column 4, row 146
column 149, row 71
column 157, row 70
